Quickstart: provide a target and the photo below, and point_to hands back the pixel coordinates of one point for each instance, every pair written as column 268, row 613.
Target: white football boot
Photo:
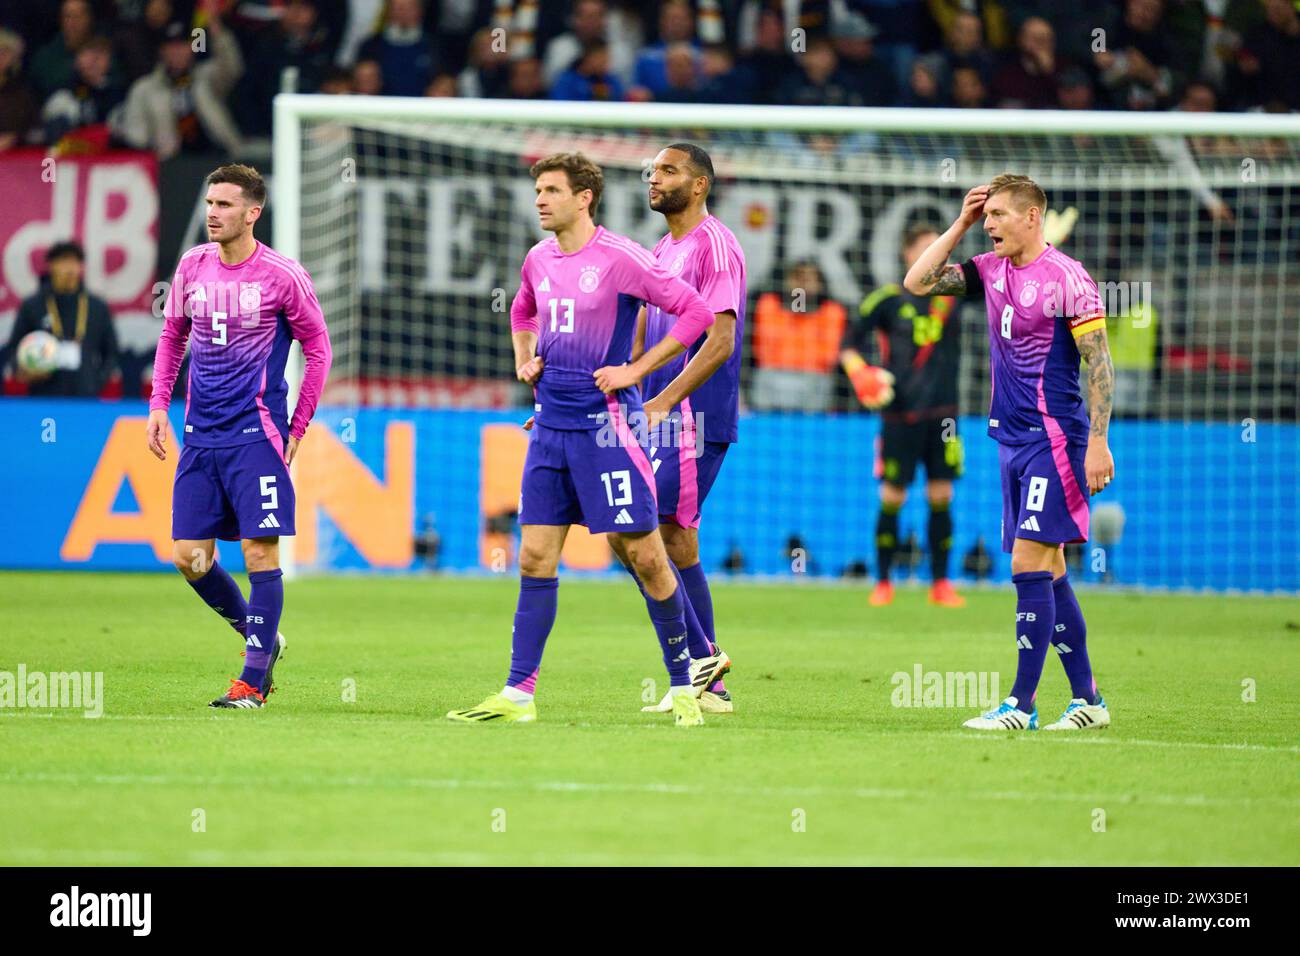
column 1007, row 716
column 1081, row 715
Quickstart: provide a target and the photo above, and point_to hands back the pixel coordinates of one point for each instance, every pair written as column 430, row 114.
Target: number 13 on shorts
column 620, row 480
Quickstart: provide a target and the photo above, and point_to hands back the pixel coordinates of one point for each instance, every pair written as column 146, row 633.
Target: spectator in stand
column 530, row 26
column 367, row 78
column 796, row 348
column 488, row 69
column 1074, row 22
column 676, row 28
column 18, row 108
column 93, row 99
column 1028, row 77
column 453, row 24
column 526, row 81
column 992, row 14
column 402, row 50
column 964, row 46
column 722, row 81
column 589, row 78
column 769, row 60
column 926, row 86
column 137, row 42
column 81, row 322
column 899, row 26
column 299, row 41
column 1074, row 90
column 337, row 82
column 819, row 80
column 443, row 85
column 1268, row 64
column 968, row 89
column 590, row 23
column 181, row 105
column 1135, row 67
column 853, row 39
column 683, row 80
column 52, row 66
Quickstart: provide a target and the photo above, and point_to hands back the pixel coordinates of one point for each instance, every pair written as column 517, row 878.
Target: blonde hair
column 1024, row 191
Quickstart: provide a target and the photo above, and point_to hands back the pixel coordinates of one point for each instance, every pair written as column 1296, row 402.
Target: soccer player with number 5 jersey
column 1044, row 314
column 239, row 305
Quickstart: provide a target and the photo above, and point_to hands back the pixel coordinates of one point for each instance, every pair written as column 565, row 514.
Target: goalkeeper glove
column 873, row 384
column 1058, row 226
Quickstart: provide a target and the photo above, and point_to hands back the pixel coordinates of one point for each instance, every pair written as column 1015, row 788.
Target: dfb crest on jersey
column 1029, row 294
column 250, row 298
column 589, row 279
column 678, row 264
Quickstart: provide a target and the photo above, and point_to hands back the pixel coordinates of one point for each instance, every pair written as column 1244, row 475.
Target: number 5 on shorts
column 267, row 483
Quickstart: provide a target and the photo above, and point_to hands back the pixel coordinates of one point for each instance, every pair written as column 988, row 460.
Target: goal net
column 413, row 217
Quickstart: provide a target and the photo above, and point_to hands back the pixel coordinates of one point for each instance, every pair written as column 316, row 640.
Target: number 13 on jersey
column 562, row 323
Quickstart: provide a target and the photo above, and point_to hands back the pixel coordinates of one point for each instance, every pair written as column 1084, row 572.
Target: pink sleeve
column 317, row 356
column 301, row 308
column 984, row 261
column 171, row 345
column 523, row 310
column 1083, row 301
column 646, row 280
column 303, row 312
column 718, row 285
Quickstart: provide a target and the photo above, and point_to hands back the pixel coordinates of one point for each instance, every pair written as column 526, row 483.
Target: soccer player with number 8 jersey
column 239, row 305
column 1044, row 315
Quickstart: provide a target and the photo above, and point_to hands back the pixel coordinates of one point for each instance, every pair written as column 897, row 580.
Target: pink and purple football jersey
column 583, row 307
column 239, row 322
column 232, row 480
column 710, row 260
column 1035, row 313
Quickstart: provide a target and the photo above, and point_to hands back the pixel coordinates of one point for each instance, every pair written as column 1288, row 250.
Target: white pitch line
column 1100, row 739
column 578, row 786
column 1109, row 738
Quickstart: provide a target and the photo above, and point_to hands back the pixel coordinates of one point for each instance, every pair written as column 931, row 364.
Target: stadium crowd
column 199, row 75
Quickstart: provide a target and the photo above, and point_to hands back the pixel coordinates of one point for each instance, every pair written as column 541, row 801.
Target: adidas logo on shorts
column 269, row 522
column 1030, row 524
column 622, row 517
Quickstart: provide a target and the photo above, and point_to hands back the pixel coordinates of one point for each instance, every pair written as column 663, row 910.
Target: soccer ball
column 38, row 353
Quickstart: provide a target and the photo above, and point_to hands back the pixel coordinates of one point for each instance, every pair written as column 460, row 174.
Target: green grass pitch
column 817, row 765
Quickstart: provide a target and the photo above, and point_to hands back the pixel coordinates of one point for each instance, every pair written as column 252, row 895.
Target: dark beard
column 674, row 202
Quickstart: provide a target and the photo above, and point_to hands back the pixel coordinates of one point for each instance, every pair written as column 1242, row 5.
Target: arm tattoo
column 944, row 279
column 1101, row 380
